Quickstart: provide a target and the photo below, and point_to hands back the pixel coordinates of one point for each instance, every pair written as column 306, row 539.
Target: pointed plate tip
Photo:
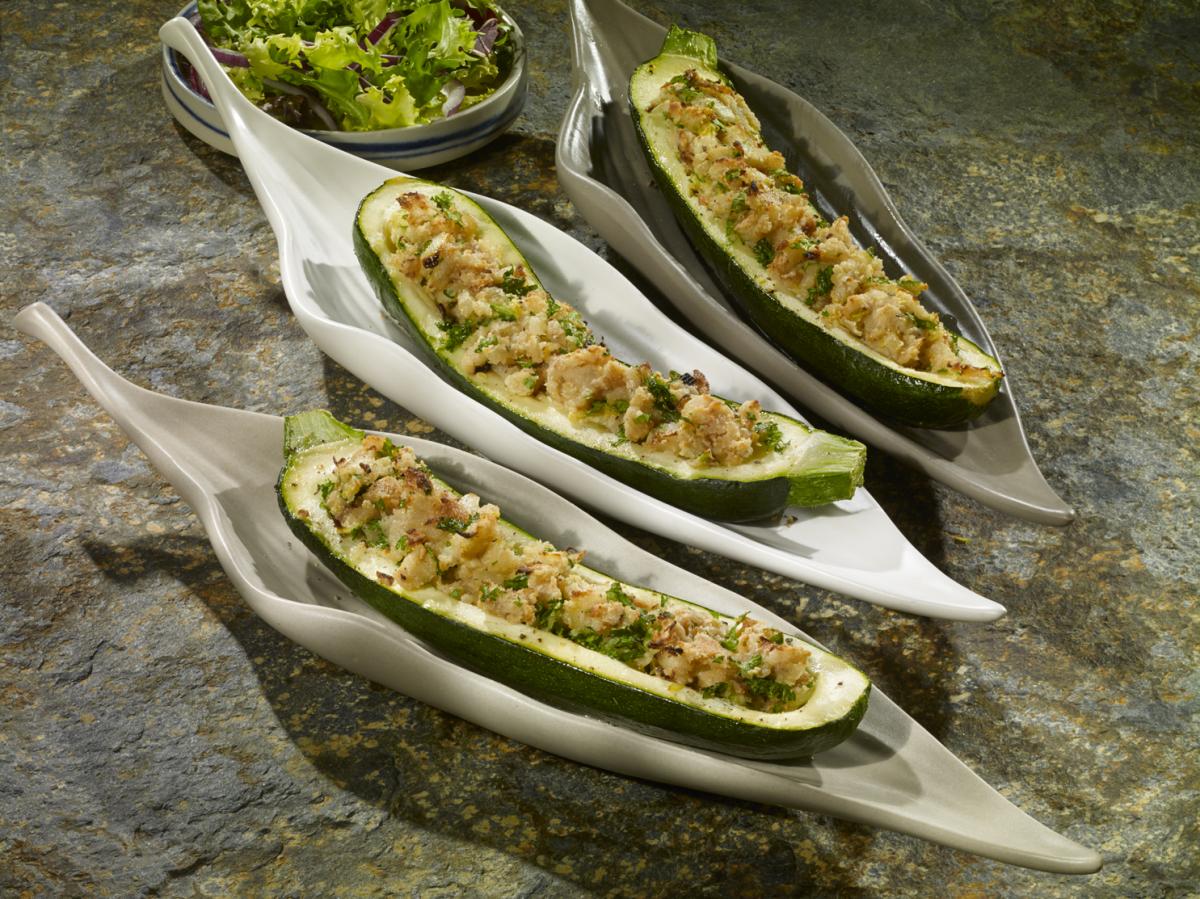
column 914, row 785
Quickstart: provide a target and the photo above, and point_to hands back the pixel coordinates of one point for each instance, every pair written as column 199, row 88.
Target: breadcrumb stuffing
column 381, row 496
column 743, row 184
column 501, row 320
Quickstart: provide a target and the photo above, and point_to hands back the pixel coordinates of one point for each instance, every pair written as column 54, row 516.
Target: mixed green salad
column 359, row 65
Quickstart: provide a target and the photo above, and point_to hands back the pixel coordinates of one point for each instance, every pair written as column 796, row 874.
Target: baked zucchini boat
column 449, row 274
column 451, row 571
column 803, row 281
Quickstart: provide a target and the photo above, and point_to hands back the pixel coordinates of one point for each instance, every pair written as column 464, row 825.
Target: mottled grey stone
column 158, row 739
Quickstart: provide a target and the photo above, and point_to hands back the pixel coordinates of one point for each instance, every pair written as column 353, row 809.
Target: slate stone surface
column 157, row 739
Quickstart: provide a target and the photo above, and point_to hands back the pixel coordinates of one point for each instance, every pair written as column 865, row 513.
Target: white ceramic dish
column 416, row 147
column 602, row 169
column 224, row 463
column 310, row 193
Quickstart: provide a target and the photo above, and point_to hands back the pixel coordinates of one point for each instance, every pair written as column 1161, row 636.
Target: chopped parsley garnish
column 577, row 331
column 664, row 400
column 402, row 543
column 375, row 535
column 769, row 688
column 716, row 691
column 621, row 438
column 552, row 306
column 730, row 640
column 616, row 594
column 517, row 582
column 749, row 665
column 764, row 252
column 911, row 285
column 325, row 488
column 684, row 89
column 445, row 202
column 925, row 324
column 789, row 183
column 504, row 313
column 490, row 340
column 739, row 204
column 770, row 436
column 456, row 525
column 623, row 643
column 514, row 286
column 822, row 287
column 549, row 616
column 457, row 332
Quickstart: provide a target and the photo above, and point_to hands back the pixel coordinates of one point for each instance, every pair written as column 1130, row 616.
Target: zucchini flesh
column 810, row 468
column 911, row 395
column 545, row 663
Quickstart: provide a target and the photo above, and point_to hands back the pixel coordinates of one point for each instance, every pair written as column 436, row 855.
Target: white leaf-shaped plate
column 223, row 462
column 310, row 193
column 602, row 169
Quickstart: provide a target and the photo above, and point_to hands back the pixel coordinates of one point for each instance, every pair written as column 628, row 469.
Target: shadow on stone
column 436, row 772
column 226, row 168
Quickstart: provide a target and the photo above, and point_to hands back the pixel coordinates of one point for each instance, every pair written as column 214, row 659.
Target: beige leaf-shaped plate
column 224, row 463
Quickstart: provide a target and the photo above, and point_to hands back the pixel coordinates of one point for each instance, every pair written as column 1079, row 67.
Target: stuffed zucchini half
column 803, row 281
column 451, row 571
column 449, row 274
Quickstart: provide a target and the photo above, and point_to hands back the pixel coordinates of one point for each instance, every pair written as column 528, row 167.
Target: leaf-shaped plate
column 223, row 462
column 310, row 193
column 602, row 169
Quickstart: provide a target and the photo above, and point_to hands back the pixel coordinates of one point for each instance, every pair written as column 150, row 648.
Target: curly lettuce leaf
column 432, row 42
column 322, row 48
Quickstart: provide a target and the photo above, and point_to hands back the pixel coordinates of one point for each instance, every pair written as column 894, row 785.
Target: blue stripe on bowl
column 199, row 118
column 412, row 148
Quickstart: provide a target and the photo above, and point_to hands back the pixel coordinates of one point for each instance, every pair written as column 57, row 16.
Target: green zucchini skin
column 561, row 683
column 884, row 389
column 726, row 500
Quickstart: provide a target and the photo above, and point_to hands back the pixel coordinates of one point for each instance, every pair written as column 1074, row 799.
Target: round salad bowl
column 404, row 149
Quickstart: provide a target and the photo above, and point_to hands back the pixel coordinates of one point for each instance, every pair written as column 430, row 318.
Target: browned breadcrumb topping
column 744, row 184
column 381, row 499
column 501, row 321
